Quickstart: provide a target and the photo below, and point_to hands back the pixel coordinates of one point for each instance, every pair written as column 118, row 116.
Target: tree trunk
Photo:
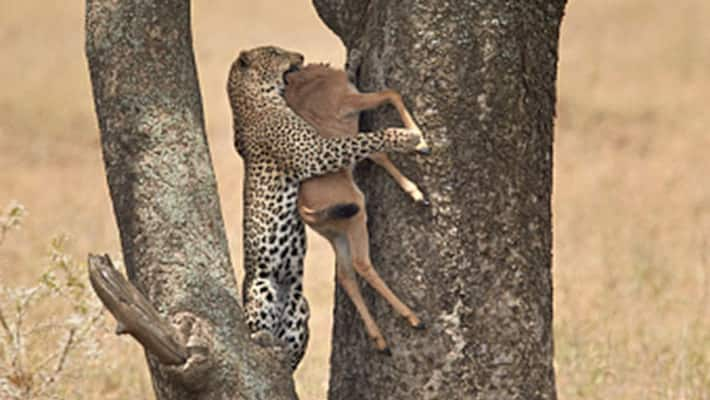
column 165, row 200
column 479, row 77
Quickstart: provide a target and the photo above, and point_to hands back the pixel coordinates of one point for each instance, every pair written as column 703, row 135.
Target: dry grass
column 632, row 207
column 632, row 204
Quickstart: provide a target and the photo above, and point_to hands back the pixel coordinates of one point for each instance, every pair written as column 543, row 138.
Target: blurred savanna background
column 631, row 193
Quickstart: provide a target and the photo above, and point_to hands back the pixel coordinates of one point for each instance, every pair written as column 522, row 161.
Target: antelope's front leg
column 405, row 183
column 356, row 102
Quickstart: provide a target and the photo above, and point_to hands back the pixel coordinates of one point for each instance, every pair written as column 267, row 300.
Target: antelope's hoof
column 381, row 346
column 416, row 194
column 416, row 323
column 424, row 202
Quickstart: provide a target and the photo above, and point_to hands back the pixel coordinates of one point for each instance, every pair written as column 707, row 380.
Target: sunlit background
column 631, row 194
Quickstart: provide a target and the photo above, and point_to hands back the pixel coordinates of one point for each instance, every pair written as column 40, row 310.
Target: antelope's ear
column 244, row 60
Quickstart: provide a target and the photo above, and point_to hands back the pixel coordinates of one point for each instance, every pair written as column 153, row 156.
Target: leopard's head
column 263, row 69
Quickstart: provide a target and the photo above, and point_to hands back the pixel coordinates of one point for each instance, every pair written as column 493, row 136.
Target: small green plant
column 11, row 218
column 48, row 331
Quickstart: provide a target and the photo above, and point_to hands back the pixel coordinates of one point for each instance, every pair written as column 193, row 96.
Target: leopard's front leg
column 303, row 154
column 333, row 154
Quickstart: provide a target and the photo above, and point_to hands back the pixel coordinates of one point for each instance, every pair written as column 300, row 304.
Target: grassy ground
column 632, row 206
column 631, row 200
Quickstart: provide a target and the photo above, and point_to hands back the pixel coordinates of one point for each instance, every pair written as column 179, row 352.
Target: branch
column 64, row 352
column 6, row 327
column 134, row 314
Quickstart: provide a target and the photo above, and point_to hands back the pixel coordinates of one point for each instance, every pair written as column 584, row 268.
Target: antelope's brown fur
column 326, row 99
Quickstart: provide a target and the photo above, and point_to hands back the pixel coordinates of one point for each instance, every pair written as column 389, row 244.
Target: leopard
column 279, row 150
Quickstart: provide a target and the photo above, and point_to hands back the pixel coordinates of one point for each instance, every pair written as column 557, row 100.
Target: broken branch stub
column 134, row 313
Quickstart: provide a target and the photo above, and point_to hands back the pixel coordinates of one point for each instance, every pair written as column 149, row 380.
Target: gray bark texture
column 479, row 77
column 165, row 199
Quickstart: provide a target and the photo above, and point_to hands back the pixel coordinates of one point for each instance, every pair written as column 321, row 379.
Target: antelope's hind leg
column 345, row 276
column 358, row 238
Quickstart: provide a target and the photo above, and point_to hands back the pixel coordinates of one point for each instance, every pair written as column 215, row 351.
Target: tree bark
column 165, row 200
column 479, row 77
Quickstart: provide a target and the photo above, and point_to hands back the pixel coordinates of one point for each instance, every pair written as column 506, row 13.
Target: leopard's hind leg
column 274, row 248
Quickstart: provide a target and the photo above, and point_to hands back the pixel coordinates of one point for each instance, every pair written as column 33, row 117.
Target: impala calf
column 332, row 204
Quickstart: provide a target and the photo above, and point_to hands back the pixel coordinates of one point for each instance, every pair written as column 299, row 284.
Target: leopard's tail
column 337, row 211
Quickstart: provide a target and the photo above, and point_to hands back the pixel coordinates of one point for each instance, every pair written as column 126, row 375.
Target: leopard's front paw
column 406, row 140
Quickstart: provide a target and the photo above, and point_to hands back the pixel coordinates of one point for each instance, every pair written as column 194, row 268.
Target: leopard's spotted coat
column 280, row 150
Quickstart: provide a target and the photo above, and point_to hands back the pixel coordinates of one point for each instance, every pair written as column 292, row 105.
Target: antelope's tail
column 337, row 211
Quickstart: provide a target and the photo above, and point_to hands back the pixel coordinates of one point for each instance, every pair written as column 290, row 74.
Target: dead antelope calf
column 328, row 101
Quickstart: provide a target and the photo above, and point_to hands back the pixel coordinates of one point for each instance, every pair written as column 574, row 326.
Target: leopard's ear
column 244, row 60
